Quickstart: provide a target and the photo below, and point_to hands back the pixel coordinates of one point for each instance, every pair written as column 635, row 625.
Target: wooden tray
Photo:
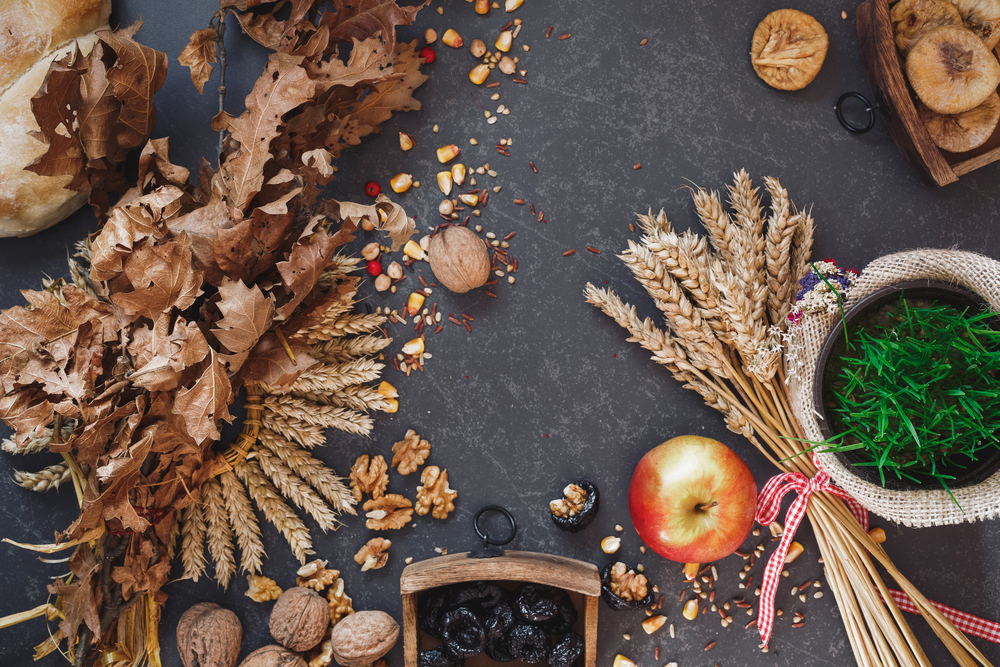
column 884, row 71
column 574, row 576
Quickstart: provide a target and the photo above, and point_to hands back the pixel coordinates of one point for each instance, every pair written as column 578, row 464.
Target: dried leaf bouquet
column 725, row 297
column 188, row 295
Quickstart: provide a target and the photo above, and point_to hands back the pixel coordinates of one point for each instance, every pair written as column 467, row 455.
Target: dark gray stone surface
column 545, row 389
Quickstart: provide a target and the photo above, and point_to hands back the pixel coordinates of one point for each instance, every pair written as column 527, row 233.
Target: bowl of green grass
column 908, row 388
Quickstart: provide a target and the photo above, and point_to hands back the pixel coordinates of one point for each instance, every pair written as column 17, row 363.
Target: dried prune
column 463, row 633
column 436, row 657
column 530, row 643
column 499, row 620
column 565, row 616
column 568, row 648
column 611, row 581
column 536, row 603
column 568, row 513
column 433, row 605
column 498, row 649
column 479, row 595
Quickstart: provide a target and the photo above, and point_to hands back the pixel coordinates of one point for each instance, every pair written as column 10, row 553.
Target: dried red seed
column 439, row 328
column 519, row 202
column 427, row 53
column 533, row 167
column 509, row 24
column 710, row 646
column 548, row 33
column 372, row 189
column 465, row 223
column 395, row 362
column 637, row 165
column 631, row 227
column 422, row 281
column 532, row 208
column 565, row 36
column 520, row 80
column 489, row 293
column 750, row 624
column 466, row 323
column 509, row 236
column 494, row 84
column 797, row 625
column 541, row 215
column 490, row 282
column 656, row 653
column 594, row 250
column 568, row 253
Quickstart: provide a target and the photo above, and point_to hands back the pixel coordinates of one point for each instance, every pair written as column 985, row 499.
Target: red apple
column 692, row 499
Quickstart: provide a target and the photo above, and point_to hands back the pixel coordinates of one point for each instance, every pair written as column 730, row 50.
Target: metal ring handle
column 869, row 107
column 486, row 538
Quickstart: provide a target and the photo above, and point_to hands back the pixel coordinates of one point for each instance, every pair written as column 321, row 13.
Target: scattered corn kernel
column 610, row 544
column 405, row 141
column 412, row 249
column 511, row 5
column 653, row 623
column 504, row 41
column 401, row 182
column 777, row 530
column 691, row 609
column 482, row 6
column 877, row 535
column 458, row 172
column 469, row 200
column 387, row 390
column 444, row 181
column 414, row 303
column 391, row 405
column 619, row 528
column 691, row 571
column 479, row 73
column 452, row 38
column 794, row 551
column 622, row 661
column 415, row 346
column 446, row 153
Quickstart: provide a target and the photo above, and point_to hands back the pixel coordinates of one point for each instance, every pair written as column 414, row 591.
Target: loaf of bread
column 33, row 33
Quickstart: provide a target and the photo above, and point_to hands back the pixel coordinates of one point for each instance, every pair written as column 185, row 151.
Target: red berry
column 374, row 268
column 427, row 53
column 372, row 189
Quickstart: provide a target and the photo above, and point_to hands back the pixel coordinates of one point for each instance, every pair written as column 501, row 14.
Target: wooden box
column 884, row 71
column 581, row 580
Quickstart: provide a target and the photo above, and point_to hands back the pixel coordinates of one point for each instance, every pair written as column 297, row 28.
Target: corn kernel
column 610, row 544
column 414, row 347
column 405, row 141
column 653, row 623
column 458, row 172
column 444, row 181
column 511, row 5
column 452, row 38
column 794, row 551
column 401, row 182
column 482, row 6
column 691, row 609
column 504, row 41
column 392, row 405
column 777, row 530
column 469, row 200
column 622, row 661
column 479, row 73
column 877, row 535
column 387, row 390
column 414, row 303
column 412, row 249
column 446, row 153
column 691, row 571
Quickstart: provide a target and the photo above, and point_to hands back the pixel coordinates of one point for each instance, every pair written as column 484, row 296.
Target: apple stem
column 702, row 508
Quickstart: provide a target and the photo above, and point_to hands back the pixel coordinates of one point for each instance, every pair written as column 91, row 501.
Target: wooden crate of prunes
column 519, row 608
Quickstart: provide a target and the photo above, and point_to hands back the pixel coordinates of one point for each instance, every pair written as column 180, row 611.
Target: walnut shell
column 459, row 259
column 363, row 637
column 273, row 656
column 209, row 636
column 299, row 619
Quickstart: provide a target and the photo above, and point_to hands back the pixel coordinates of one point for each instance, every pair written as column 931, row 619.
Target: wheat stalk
column 274, row 508
column 307, row 435
column 716, row 221
column 45, row 479
column 38, row 442
column 220, row 532
column 326, row 416
column 193, row 542
column 244, row 523
column 295, row 489
column 339, row 350
column 778, row 249
column 326, row 378
column 357, row 397
column 802, row 243
column 171, row 542
column 312, row 470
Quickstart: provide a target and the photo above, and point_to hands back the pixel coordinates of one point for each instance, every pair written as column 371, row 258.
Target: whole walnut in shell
column 459, row 259
column 299, row 619
column 209, row 636
column 273, row 656
column 363, row 637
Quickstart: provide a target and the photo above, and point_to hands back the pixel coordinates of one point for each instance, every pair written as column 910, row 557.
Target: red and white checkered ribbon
column 967, row 623
column 768, row 507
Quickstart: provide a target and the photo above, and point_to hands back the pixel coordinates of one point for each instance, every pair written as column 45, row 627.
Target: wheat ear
column 326, row 482
column 295, row 489
column 171, row 543
column 739, row 312
column 716, row 221
column 220, row 532
column 244, row 523
column 651, row 224
column 326, row 378
column 339, row 350
column 51, row 477
column 326, row 416
column 307, row 435
column 275, row 509
column 780, row 231
column 359, row 397
column 193, row 542
column 39, row 441
column 802, row 243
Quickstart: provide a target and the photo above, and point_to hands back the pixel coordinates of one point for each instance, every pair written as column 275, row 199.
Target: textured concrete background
column 545, row 389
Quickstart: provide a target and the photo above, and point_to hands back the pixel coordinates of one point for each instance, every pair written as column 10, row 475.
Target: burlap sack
column 912, row 508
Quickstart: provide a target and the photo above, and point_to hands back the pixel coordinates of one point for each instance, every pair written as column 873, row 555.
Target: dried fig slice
column 981, row 17
column 951, row 70
column 911, row 19
column 788, row 49
column 962, row 132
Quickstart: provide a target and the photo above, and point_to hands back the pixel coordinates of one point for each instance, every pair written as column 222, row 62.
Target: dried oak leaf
column 162, row 278
column 160, row 359
column 369, row 477
column 198, row 55
column 99, row 108
column 363, row 18
column 308, row 259
column 206, row 402
column 203, row 225
column 374, row 554
column 370, row 61
column 283, row 86
column 246, row 316
column 397, row 225
column 435, row 496
column 390, row 512
column 268, row 362
column 140, row 219
column 273, row 33
column 410, row 453
column 79, row 602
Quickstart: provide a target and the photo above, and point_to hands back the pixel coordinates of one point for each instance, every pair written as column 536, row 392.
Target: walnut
column 322, row 655
column 626, row 584
column 262, row 589
column 209, row 636
column 363, row 638
column 410, row 453
column 369, row 479
column 374, row 555
column 340, row 605
column 435, row 493
column 388, row 513
column 314, row 575
column 575, row 497
column 273, row 656
column 459, row 259
column 299, row 619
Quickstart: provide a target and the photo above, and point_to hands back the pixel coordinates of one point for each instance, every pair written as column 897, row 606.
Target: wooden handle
column 566, row 573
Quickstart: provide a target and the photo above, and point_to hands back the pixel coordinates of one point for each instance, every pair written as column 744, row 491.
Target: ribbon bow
column 768, row 507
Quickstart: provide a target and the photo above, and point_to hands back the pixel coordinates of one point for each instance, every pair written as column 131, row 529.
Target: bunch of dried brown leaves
column 188, row 294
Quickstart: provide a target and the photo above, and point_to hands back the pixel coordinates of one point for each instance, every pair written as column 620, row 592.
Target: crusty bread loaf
column 32, row 34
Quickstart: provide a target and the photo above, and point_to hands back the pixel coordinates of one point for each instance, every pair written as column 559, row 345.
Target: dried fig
column 209, row 636
column 963, row 131
column 951, row 70
column 981, row 17
column 788, row 49
column 911, row 19
column 459, row 259
column 299, row 619
column 363, row 637
column 273, row 656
